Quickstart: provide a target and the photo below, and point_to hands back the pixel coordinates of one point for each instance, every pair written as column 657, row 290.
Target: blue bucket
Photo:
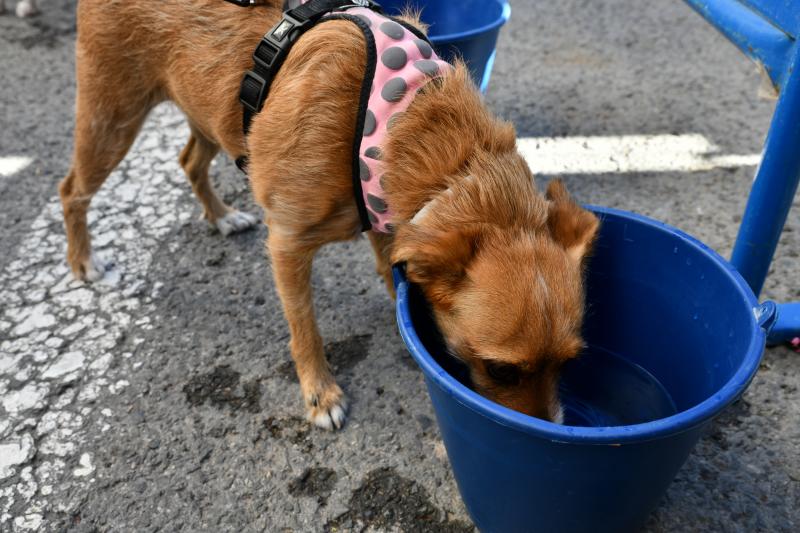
column 466, row 29
column 656, row 298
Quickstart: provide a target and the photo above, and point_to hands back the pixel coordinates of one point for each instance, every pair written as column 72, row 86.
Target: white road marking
column 85, row 468
column 626, row 153
column 13, row 453
column 60, row 336
column 10, row 165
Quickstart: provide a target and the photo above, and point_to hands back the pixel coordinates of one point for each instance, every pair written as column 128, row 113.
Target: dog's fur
column 499, row 262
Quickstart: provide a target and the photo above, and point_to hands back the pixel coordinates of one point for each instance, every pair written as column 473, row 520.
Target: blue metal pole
column 774, row 187
column 747, row 27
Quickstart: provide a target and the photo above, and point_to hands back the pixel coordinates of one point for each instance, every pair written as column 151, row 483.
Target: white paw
column 94, row 269
column 331, row 418
column 26, row 8
column 236, row 221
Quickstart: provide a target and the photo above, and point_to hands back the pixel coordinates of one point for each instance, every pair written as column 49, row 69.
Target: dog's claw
column 92, row 269
column 330, row 418
column 235, row 221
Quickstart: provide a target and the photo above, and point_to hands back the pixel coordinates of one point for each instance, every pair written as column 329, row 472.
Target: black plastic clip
column 252, row 92
column 290, row 27
column 268, row 58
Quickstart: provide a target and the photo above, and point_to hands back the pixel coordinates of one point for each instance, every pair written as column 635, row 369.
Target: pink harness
column 404, row 64
column 400, row 61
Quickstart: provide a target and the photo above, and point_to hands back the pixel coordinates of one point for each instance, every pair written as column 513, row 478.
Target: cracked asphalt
column 163, row 398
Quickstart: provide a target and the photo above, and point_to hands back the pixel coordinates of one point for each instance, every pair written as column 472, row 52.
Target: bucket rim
column 468, row 34
column 612, row 435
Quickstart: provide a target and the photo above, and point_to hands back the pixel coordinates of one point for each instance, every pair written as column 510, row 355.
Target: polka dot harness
column 404, row 63
column 400, row 62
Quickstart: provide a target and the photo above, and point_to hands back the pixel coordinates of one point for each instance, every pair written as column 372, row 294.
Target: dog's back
column 132, row 55
column 191, row 51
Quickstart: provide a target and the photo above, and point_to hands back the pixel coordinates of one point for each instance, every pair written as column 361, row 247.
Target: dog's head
column 508, row 300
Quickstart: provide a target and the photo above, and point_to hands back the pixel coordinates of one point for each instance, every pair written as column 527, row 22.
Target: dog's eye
column 503, row 373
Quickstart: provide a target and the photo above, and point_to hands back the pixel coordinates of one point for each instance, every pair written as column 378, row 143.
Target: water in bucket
column 600, row 389
column 597, row 389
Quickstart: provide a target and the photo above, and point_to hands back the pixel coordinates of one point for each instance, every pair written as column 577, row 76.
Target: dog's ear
column 572, row 226
column 435, row 259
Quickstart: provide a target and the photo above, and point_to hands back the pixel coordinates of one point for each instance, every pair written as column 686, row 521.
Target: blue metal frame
column 766, row 31
column 760, row 39
column 774, row 187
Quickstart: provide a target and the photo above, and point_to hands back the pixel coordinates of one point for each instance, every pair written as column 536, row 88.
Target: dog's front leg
column 291, row 266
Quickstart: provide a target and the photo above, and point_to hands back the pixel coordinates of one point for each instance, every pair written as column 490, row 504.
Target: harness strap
column 366, row 85
column 271, row 52
column 273, row 49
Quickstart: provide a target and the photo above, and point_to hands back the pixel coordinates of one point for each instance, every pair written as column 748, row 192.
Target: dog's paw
column 91, row 269
column 327, row 410
column 235, row 221
column 25, row 8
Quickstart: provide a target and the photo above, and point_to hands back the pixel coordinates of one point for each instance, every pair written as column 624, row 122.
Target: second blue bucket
column 657, row 299
column 466, row 29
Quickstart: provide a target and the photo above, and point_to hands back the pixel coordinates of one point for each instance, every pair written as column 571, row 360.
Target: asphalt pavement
column 163, row 398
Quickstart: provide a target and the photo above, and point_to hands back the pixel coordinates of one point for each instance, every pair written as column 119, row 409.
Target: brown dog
column 500, row 263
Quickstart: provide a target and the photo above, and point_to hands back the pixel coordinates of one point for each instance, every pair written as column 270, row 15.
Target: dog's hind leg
column 195, row 159
column 291, row 266
column 105, row 128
